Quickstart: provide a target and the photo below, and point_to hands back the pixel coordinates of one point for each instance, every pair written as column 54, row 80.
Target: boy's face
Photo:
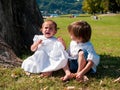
column 48, row 29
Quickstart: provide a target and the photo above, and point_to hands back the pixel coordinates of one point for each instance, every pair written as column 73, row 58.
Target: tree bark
column 7, row 56
column 20, row 20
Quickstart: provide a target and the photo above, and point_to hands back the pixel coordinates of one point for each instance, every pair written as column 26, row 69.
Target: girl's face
column 48, row 29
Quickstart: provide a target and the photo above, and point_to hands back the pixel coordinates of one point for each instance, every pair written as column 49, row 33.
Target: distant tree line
column 79, row 6
column 101, row 6
column 61, row 6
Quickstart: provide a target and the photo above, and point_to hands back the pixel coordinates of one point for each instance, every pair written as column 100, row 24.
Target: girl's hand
column 39, row 41
column 62, row 41
column 34, row 46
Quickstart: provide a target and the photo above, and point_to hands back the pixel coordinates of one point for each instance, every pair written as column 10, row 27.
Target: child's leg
column 81, row 65
column 67, row 73
column 81, row 61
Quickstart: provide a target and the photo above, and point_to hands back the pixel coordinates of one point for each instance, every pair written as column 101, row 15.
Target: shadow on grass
column 109, row 67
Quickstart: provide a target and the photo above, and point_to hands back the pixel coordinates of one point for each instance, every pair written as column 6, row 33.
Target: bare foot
column 27, row 73
column 117, row 80
column 68, row 76
column 46, row 74
column 83, row 79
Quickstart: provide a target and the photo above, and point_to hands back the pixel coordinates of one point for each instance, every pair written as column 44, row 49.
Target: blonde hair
column 80, row 29
column 53, row 22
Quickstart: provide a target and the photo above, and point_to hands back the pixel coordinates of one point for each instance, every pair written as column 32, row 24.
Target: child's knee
column 82, row 57
column 81, row 53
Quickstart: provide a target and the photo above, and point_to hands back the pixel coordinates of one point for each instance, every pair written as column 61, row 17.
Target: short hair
column 53, row 22
column 80, row 29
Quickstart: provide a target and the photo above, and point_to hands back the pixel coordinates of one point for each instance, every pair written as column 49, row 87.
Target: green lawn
column 106, row 41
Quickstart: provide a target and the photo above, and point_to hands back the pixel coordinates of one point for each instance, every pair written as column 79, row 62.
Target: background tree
column 104, row 6
column 20, row 20
column 114, row 6
column 94, row 6
column 118, row 2
column 101, row 6
column 64, row 6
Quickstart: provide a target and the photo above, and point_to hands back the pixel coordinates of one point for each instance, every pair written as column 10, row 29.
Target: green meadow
column 106, row 41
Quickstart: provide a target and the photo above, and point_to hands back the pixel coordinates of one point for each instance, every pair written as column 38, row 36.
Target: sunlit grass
column 106, row 41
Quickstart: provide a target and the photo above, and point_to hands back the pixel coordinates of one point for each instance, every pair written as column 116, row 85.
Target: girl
column 50, row 54
column 82, row 56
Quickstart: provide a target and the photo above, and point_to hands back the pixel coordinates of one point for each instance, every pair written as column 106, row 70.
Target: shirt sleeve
column 93, row 56
column 36, row 37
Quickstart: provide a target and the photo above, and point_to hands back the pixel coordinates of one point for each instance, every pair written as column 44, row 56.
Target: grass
column 106, row 41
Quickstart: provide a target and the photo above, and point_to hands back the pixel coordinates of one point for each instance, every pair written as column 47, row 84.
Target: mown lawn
column 106, row 41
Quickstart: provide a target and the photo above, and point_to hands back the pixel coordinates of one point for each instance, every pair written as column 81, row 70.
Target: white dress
column 50, row 56
column 75, row 47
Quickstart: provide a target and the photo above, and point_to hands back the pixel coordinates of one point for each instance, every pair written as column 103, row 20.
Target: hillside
column 60, row 7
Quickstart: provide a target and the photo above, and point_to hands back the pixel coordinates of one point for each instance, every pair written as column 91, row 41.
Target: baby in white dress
column 50, row 54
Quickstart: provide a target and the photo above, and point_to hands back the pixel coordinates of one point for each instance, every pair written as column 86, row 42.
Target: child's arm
column 88, row 66
column 34, row 46
column 62, row 41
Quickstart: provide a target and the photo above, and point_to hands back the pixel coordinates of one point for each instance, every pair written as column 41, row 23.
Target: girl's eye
column 46, row 27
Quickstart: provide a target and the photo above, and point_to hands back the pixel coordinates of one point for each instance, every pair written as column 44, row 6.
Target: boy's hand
column 79, row 76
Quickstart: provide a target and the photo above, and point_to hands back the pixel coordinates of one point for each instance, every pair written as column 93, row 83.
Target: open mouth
column 47, row 33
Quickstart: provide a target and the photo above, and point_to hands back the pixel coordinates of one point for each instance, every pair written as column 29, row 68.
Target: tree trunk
column 20, row 20
column 7, row 56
